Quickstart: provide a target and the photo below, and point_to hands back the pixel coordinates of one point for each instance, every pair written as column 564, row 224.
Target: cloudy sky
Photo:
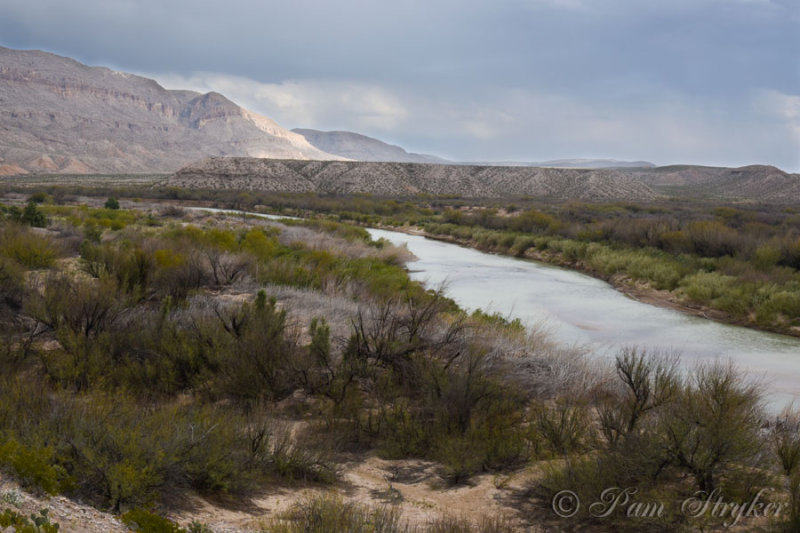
column 669, row 81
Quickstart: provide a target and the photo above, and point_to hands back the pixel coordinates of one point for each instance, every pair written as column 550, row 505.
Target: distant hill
column 58, row 115
column 760, row 183
column 362, row 148
column 405, row 179
column 593, row 163
column 756, row 183
column 359, row 147
column 575, row 163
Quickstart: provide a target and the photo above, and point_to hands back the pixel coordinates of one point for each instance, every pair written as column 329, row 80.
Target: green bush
column 12, row 283
column 36, row 523
column 143, row 521
column 31, row 216
column 704, row 287
column 33, row 466
column 26, row 247
column 39, row 197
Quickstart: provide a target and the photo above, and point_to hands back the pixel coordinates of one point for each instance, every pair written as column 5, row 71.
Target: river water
column 579, row 309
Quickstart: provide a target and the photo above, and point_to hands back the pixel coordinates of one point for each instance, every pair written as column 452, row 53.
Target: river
column 580, row 310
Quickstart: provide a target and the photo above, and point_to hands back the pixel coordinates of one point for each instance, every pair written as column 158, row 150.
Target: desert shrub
column 198, row 527
column 662, row 270
column 405, row 432
column 589, row 476
column 113, row 219
column 128, row 263
column 119, row 451
column 80, row 312
column 521, row 244
column 704, row 287
column 258, row 361
column 766, row 256
column 290, row 460
column 27, row 248
column 498, row 320
column 455, row 524
column 31, row 216
column 463, row 419
column 779, row 303
column 785, row 437
column 560, row 429
column 713, row 428
column 329, row 513
column 668, row 436
column 33, row 466
column 179, row 272
column 260, row 242
column 569, row 249
column 143, row 521
column 39, row 197
column 440, row 396
column 36, row 523
column 345, row 231
column 111, row 203
column 12, row 283
column 91, row 231
column 533, row 221
column 486, row 446
column 647, row 383
column 712, row 239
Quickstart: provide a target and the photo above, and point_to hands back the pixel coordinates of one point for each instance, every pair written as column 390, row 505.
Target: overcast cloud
column 689, row 81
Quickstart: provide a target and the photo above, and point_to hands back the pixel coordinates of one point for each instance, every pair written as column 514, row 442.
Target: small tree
column 647, row 382
column 32, row 216
column 714, row 425
column 112, row 203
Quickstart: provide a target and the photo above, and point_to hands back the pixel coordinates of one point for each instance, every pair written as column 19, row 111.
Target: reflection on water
column 579, row 309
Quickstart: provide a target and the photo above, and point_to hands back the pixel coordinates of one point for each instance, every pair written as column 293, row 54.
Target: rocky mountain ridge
column 58, row 115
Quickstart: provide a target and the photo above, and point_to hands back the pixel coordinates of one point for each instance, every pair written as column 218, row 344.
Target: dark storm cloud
column 708, row 81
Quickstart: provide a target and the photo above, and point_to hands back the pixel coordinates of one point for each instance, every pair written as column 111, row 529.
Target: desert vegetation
column 732, row 262
column 738, row 262
column 149, row 354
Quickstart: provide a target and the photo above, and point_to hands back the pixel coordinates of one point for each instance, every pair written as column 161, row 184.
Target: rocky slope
column 400, row 179
column 758, row 183
column 362, row 148
column 58, row 115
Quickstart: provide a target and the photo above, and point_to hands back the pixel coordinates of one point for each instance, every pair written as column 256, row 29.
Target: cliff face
column 57, row 115
column 404, row 179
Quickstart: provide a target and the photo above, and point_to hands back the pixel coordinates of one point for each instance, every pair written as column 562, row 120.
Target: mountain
column 362, row 148
column 58, row 115
column 406, row 179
